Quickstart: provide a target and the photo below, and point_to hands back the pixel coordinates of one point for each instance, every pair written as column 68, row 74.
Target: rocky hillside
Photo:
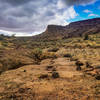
column 74, row 29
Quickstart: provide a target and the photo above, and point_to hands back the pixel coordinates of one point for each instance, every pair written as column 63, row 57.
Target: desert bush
column 1, row 68
column 97, row 77
column 5, row 44
column 10, row 63
column 2, row 37
column 53, row 50
column 49, row 67
column 36, row 54
column 86, row 37
column 43, row 76
column 49, row 55
column 97, row 67
column 78, row 68
column 54, row 69
column 73, row 59
column 88, row 65
column 67, row 55
column 78, row 64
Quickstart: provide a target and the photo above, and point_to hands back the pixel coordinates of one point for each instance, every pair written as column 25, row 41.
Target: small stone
column 55, row 75
column 98, row 77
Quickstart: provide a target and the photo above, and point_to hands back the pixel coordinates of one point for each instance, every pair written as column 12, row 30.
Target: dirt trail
column 66, row 68
column 24, row 83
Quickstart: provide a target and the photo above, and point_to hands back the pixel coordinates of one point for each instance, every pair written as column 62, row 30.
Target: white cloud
column 90, row 13
column 93, row 15
column 25, row 17
column 87, row 11
column 10, row 33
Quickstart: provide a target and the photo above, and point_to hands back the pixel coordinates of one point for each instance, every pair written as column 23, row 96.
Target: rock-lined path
column 24, row 83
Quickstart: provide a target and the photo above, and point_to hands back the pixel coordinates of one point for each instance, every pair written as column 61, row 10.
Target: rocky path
column 35, row 82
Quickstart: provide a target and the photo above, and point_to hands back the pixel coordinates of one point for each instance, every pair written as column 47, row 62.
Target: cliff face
column 74, row 29
column 54, row 29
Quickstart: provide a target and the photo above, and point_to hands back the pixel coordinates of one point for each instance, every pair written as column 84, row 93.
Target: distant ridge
column 74, row 29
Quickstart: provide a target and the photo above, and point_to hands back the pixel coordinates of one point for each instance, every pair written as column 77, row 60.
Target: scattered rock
column 73, row 59
column 1, row 72
column 88, row 69
column 97, row 67
column 43, row 76
column 53, row 50
column 79, row 63
column 78, row 68
column 21, row 90
column 88, row 65
column 54, row 69
column 24, row 70
column 68, row 55
column 12, row 96
column 49, row 67
column 55, row 75
column 97, row 77
column 52, row 62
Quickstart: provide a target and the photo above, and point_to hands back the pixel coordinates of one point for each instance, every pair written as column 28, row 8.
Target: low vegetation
column 82, row 55
column 86, row 49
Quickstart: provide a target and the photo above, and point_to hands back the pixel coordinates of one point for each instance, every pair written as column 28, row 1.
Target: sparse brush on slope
column 10, row 63
column 38, row 55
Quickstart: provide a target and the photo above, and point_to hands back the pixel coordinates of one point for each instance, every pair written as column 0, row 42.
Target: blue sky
column 30, row 17
column 87, row 11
